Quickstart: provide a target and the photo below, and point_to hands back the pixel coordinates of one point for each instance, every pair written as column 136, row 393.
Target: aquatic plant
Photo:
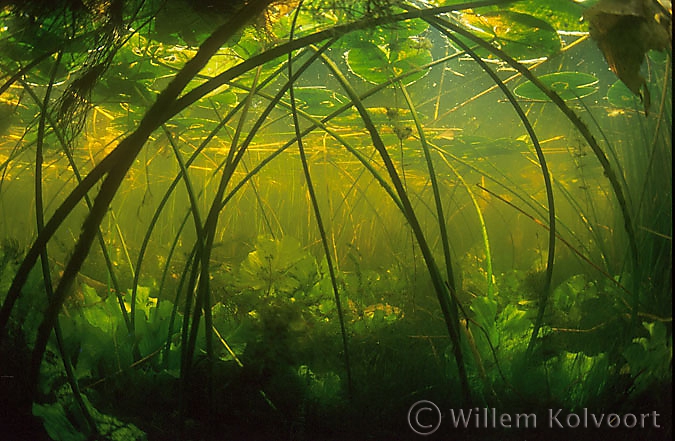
column 285, row 211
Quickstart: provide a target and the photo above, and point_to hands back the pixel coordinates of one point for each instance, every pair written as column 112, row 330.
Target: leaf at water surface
column 561, row 15
column 318, row 101
column 376, row 65
column 568, row 85
column 369, row 62
column 625, row 31
column 472, row 146
column 384, row 36
column 522, row 36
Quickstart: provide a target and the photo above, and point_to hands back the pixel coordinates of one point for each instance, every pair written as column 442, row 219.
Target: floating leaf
column 568, row 85
column 385, row 36
column 408, row 56
column 319, row 101
column 561, row 15
column 369, row 63
column 379, row 63
column 522, row 36
column 473, row 146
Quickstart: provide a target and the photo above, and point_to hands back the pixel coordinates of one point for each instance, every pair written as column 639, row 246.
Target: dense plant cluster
column 312, row 214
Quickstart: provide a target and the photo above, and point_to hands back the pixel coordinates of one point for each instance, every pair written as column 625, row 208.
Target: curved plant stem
column 201, row 272
column 590, row 139
column 235, row 155
column 437, row 197
column 44, row 257
column 448, row 307
column 121, row 158
column 560, row 238
column 194, row 209
column 315, row 207
column 544, row 295
column 47, row 279
column 168, row 104
column 183, row 168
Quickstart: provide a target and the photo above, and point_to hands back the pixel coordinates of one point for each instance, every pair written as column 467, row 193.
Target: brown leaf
column 625, row 30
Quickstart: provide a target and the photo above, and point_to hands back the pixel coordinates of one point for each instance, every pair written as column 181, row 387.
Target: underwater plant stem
column 545, row 291
column 559, row 237
column 317, row 211
column 484, row 232
column 168, row 105
column 235, row 155
column 590, row 139
column 652, row 147
column 509, row 79
column 204, row 247
column 44, row 257
column 89, row 231
column 104, row 249
column 441, row 83
column 449, row 312
column 451, row 283
column 124, row 244
column 183, row 170
column 121, row 158
column 194, row 208
column 321, row 124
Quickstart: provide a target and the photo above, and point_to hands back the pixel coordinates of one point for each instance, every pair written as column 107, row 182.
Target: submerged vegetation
column 296, row 219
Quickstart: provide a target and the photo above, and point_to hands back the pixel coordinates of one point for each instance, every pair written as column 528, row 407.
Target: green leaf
column 485, row 309
column 649, row 359
column 522, row 36
column 619, row 95
column 278, row 265
column 486, row 314
column 369, row 62
column 566, row 294
column 568, row 85
column 143, row 300
column 90, row 295
column 56, row 422
column 100, row 316
column 387, row 53
column 319, row 101
column 513, row 320
column 385, row 36
column 409, row 56
column 561, row 15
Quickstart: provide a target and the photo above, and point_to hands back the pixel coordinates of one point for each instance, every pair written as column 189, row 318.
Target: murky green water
column 234, row 280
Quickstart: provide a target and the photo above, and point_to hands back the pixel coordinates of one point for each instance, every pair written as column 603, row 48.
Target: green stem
column 590, row 139
column 317, row 211
column 44, row 257
column 448, row 308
